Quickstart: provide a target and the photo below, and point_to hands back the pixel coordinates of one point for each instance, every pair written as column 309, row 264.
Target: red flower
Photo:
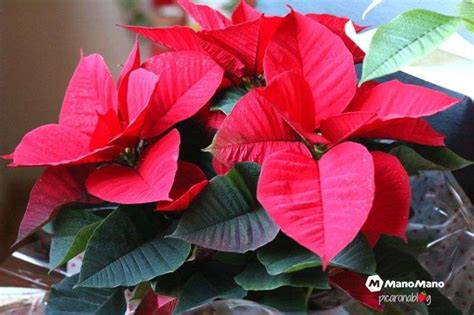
column 320, row 188
column 237, row 44
column 100, row 123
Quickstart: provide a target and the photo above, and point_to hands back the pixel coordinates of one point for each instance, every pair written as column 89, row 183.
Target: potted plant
column 246, row 163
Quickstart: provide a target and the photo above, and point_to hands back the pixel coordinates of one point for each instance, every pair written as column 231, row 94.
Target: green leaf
column 288, row 300
column 226, row 215
column 201, row 284
column 395, row 263
column 285, row 255
column 466, row 12
column 72, row 229
column 64, row 299
column 171, row 284
column 201, row 289
column 130, row 247
column 420, row 158
column 255, row 278
column 225, row 100
column 407, row 38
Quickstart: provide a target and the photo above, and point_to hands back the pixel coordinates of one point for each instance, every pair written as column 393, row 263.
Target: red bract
column 125, row 128
column 391, row 206
column 156, row 304
column 57, row 186
column 320, row 204
column 237, row 44
column 189, row 182
column 255, row 129
column 321, row 189
column 149, row 181
column 337, row 25
column 375, row 112
column 308, row 48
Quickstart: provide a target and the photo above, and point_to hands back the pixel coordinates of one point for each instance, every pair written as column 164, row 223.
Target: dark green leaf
column 286, row 299
column 407, row 38
column 130, row 247
column 416, row 158
column 172, row 283
column 285, row 255
column 226, row 215
column 72, row 229
column 210, row 282
column 66, row 300
column 255, row 278
column 225, row 100
column 466, row 12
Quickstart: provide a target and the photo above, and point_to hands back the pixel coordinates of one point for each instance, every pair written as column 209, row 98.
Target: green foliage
column 407, row 38
column 199, row 283
column 64, row 299
column 256, row 278
column 72, row 230
column 416, row 158
column 285, row 255
column 466, row 12
column 226, row 215
column 129, row 247
column 225, row 100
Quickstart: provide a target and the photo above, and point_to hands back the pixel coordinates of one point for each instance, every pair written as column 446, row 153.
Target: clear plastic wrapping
column 443, row 216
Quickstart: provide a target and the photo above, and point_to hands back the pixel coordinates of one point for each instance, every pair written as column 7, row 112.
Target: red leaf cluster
column 123, row 132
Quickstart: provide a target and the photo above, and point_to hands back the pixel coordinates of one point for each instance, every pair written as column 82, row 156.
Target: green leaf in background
column 466, row 12
column 66, row 300
column 72, row 229
column 225, row 100
column 285, row 255
column 416, row 158
column 407, row 38
column 396, row 263
column 130, row 247
column 226, row 215
column 255, row 278
column 288, row 300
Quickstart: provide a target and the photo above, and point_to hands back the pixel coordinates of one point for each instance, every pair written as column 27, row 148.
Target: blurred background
column 40, row 43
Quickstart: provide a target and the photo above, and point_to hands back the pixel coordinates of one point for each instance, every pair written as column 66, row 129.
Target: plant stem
column 309, row 291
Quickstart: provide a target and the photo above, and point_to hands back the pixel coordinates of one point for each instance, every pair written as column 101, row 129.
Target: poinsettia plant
column 246, row 162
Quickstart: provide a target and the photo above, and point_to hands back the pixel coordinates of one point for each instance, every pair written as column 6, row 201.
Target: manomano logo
column 375, row 284
column 413, row 284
